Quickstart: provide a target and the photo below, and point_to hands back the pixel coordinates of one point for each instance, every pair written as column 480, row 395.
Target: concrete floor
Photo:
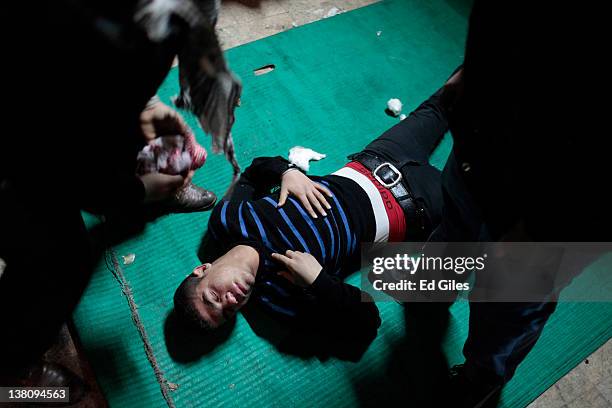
column 244, row 21
column 589, row 385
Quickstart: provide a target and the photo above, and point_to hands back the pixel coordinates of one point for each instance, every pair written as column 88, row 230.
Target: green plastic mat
column 328, row 91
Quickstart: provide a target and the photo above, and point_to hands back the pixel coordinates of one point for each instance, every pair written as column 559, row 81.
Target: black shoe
column 46, row 374
column 190, row 198
column 467, row 393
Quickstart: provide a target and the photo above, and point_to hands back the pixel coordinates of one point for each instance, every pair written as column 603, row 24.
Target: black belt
column 391, row 178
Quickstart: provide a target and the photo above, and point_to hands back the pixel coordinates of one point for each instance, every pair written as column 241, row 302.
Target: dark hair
column 184, row 304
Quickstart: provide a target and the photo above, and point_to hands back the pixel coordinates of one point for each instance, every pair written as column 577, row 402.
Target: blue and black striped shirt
column 251, row 215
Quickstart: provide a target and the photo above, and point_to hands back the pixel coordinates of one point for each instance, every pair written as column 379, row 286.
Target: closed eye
column 215, row 296
column 209, row 297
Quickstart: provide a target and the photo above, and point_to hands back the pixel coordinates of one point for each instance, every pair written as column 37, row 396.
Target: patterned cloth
column 171, row 155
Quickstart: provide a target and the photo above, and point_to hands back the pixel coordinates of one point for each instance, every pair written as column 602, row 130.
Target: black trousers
column 408, row 146
column 48, row 265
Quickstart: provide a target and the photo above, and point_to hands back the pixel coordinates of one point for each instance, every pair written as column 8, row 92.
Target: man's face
column 222, row 290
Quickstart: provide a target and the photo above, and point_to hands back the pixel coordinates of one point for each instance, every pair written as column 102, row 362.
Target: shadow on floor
column 305, row 339
column 416, row 373
column 186, row 344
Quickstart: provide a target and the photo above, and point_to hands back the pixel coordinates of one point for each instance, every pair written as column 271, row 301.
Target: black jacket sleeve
column 346, row 310
column 264, row 173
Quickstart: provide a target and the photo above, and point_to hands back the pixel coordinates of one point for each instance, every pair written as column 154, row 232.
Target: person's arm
column 343, row 308
column 259, row 178
column 264, row 173
column 158, row 119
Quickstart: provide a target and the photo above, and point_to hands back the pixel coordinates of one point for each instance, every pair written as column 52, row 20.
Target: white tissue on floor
column 128, row 259
column 402, row 116
column 332, row 12
column 301, row 156
column 394, row 106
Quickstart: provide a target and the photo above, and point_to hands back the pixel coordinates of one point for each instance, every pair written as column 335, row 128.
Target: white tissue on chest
column 301, row 156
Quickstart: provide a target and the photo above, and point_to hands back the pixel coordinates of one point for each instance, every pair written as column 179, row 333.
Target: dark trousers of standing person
column 76, row 150
column 48, row 265
column 513, row 160
column 48, row 252
column 500, row 334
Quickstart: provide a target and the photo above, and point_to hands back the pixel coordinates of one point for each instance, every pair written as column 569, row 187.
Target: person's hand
column 158, row 119
column 188, row 177
column 302, row 268
column 309, row 193
column 160, row 186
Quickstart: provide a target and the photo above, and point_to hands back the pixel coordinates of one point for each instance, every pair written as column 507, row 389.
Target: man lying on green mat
column 388, row 192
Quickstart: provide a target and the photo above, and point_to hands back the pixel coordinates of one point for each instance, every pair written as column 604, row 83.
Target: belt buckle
column 393, row 169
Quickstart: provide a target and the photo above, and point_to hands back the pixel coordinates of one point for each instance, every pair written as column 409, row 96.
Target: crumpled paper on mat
column 394, row 106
